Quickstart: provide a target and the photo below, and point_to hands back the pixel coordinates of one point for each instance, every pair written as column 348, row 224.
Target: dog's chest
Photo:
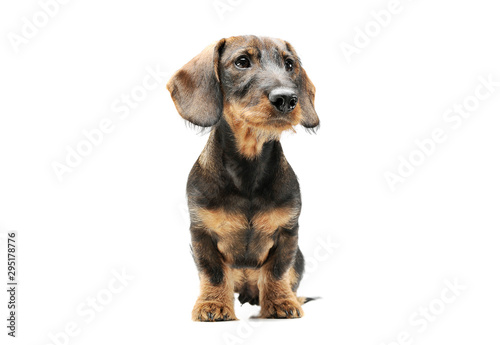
column 246, row 241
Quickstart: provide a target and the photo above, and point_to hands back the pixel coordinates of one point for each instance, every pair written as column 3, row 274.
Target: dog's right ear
column 195, row 88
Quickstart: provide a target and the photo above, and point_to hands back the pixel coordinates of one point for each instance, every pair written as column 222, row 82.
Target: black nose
column 284, row 100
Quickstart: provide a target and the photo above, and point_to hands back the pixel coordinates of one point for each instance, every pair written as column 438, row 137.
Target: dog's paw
column 281, row 309
column 213, row 311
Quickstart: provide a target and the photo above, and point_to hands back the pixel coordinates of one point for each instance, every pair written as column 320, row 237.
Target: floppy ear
column 307, row 93
column 306, row 97
column 195, row 88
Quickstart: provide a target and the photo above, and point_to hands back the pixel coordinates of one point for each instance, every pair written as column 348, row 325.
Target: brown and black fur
column 243, row 196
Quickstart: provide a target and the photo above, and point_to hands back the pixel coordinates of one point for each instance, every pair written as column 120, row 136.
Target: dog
column 243, row 196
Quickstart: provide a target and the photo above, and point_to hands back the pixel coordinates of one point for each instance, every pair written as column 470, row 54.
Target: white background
column 123, row 207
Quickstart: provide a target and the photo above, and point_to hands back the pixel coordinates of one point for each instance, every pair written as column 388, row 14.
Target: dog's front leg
column 277, row 300
column 216, row 300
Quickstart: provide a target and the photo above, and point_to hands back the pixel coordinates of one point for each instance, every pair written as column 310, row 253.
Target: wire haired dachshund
column 243, row 196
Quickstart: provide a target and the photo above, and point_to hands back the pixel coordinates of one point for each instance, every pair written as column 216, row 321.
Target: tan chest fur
column 241, row 239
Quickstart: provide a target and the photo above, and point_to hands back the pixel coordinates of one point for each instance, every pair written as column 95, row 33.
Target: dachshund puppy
column 243, row 196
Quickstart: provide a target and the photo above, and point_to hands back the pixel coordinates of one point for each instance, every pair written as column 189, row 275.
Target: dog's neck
column 245, row 144
column 249, row 140
column 222, row 155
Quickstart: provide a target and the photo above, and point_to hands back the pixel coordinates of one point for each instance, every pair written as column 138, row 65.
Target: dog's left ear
column 307, row 93
column 195, row 88
column 306, row 98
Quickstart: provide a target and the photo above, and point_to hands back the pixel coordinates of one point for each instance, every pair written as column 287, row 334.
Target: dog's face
column 261, row 81
column 254, row 82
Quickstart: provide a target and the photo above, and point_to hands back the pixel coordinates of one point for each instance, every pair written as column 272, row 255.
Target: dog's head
column 254, row 82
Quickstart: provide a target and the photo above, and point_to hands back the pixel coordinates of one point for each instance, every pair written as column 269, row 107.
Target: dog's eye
column 289, row 65
column 242, row 62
